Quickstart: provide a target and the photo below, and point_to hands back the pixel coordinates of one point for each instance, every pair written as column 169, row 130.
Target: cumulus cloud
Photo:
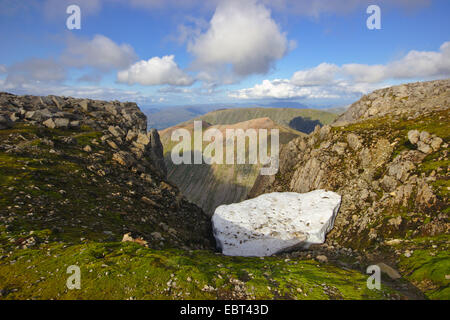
column 364, row 73
column 349, row 80
column 100, row 53
column 324, row 73
column 241, row 35
column 155, row 71
column 422, row 63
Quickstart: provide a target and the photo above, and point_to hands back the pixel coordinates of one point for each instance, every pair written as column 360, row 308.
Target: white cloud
column 3, row 69
column 242, row 35
column 101, row 53
column 324, row 73
column 422, row 63
column 155, row 71
column 330, row 81
column 416, row 64
column 364, row 73
column 284, row 89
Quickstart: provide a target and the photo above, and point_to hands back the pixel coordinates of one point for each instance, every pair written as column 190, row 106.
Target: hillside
column 387, row 156
column 82, row 183
column 303, row 120
column 209, row 186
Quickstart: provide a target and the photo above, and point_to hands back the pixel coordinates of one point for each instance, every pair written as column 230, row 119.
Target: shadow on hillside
column 305, row 125
column 200, row 185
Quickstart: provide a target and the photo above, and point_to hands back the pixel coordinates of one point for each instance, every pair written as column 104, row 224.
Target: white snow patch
column 275, row 222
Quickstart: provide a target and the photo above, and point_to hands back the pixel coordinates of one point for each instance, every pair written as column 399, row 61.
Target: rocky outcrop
column 410, row 100
column 90, row 169
column 391, row 166
column 275, row 222
column 124, row 125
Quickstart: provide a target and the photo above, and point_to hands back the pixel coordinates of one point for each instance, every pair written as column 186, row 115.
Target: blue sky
column 158, row 53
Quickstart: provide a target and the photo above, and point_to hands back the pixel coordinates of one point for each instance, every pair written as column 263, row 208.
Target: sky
column 170, row 52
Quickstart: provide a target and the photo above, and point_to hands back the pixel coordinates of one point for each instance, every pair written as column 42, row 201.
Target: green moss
column 125, row 270
column 429, row 271
column 86, row 138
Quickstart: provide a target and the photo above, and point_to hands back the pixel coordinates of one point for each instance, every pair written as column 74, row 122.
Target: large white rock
column 275, row 222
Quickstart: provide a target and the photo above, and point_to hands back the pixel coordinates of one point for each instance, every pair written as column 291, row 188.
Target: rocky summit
column 275, row 222
column 89, row 170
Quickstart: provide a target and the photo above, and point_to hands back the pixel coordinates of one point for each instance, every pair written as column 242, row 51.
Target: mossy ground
column 129, row 271
column 428, row 267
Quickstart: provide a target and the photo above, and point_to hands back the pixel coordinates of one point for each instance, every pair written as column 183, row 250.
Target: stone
column 128, row 238
column 87, row 148
column 5, row 123
column 112, row 109
column 74, row 124
column 85, row 106
column 131, row 135
column 396, row 222
column 425, row 137
column 61, row 122
column 354, row 141
column 389, row 183
column 157, row 151
column 391, row 272
column 112, row 144
column 436, row 143
column 401, row 170
column 143, row 139
column 275, row 222
column 322, row 259
column 49, row 123
column 425, row 195
column 339, row 148
column 413, row 136
column 423, row 147
column 116, row 131
column 15, row 116
column 124, row 159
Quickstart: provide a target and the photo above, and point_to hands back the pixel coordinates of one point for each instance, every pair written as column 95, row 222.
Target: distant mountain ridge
column 170, row 116
column 303, row 120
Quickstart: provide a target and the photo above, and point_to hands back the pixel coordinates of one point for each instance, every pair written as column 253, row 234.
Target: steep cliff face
column 387, row 156
column 85, row 169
